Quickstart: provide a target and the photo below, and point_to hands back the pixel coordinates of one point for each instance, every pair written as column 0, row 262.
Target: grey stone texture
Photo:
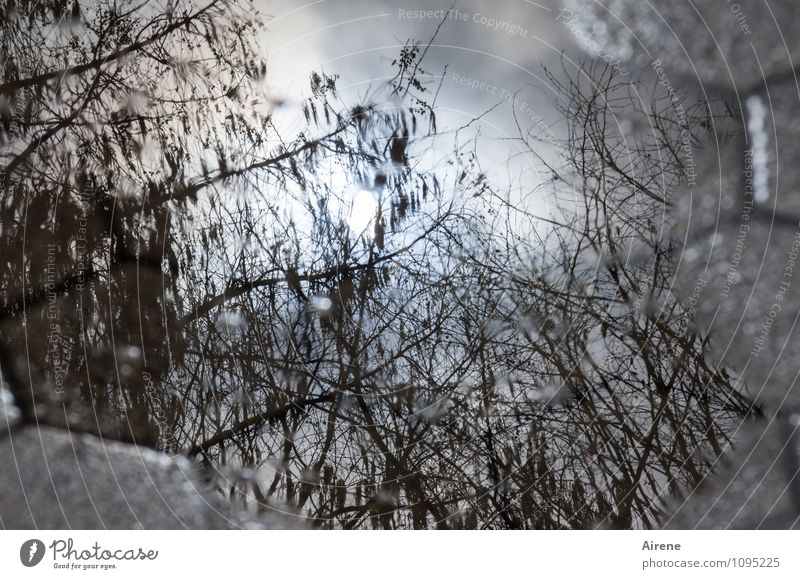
column 751, row 488
column 55, row 479
column 738, row 224
column 724, row 44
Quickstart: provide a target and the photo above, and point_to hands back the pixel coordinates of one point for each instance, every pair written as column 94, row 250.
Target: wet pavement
column 738, row 227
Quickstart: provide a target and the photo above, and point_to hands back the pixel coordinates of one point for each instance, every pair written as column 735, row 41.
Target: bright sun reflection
column 363, row 210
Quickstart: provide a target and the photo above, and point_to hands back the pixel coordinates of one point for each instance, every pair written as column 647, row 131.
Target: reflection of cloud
column 502, row 45
column 498, row 42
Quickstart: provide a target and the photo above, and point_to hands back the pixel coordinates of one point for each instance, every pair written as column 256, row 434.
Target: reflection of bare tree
column 121, row 124
column 432, row 370
column 463, row 381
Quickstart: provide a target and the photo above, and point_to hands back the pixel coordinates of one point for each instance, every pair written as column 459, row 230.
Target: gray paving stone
column 755, row 486
column 56, row 480
column 724, row 44
column 738, row 227
column 740, row 258
column 742, row 303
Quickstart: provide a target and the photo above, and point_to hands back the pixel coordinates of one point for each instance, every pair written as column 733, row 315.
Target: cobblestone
column 54, row 479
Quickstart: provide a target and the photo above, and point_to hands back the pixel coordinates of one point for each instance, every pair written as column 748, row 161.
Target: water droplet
column 320, row 304
column 432, row 412
column 128, row 354
column 231, row 321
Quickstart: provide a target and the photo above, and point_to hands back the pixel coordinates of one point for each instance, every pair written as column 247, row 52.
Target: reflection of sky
column 502, row 45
